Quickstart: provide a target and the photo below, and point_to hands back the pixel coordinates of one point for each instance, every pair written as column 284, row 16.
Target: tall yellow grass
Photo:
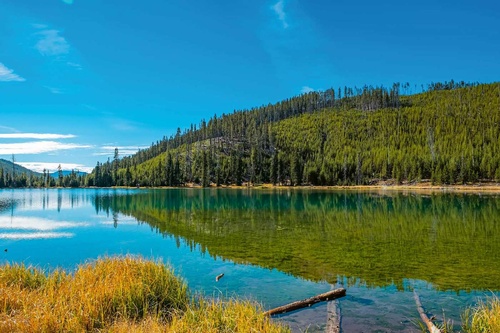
column 484, row 318
column 124, row 294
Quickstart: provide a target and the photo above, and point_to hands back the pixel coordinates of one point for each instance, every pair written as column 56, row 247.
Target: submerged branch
column 430, row 325
column 334, row 317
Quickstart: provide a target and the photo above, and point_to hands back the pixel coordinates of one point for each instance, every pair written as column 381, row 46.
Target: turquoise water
column 278, row 246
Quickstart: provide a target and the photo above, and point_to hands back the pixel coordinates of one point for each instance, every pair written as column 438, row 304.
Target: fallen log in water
column 430, row 325
column 334, row 317
column 328, row 296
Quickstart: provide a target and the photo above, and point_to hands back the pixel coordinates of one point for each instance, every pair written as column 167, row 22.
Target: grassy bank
column 484, row 318
column 130, row 294
column 424, row 187
column 117, row 295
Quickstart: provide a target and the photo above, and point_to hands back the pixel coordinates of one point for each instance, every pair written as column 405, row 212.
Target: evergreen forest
column 448, row 133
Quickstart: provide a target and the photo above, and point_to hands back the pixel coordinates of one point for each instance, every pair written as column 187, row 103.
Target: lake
column 278, row 246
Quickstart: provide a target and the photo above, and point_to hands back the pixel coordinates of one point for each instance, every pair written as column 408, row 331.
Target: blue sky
column 81, row 77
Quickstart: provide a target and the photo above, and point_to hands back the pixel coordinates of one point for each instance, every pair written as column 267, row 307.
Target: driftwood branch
column 328, row 296
column 430, row 325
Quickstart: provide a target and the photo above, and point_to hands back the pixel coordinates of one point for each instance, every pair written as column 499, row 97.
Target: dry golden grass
column 210, row 316
column 484, row 318
column 122, row 294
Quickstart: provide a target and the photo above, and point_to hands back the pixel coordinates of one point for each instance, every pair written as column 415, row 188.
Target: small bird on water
column 218, row 277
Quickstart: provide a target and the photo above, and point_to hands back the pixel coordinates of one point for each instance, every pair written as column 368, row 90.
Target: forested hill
column 7, row 167
column 16, row 176
column 448, row 134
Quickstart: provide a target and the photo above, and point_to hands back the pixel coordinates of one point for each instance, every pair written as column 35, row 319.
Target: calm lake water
column 278, row 246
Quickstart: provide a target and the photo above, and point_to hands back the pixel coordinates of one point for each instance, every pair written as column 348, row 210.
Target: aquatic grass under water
column 123, row 294
column 361, row 236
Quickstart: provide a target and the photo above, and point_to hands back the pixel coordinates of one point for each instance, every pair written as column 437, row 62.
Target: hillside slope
column 18, row 169
column 449, row 134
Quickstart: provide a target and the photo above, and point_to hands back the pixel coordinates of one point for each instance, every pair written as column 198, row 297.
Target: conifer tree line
column 448, row 133
column 9, row 179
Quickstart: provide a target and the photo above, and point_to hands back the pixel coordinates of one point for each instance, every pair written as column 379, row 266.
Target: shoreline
column 421, row 187
column 381, row 187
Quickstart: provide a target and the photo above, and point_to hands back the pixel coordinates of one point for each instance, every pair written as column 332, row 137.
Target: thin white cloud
column 123, row 125
column 89, row 107
column 120, row 124
column 122, row 150
column 35, row 224
column 39, row 26
column 6, row 128
column 41, row 136
column 37, row 147
column 51, row 43
column 122, row 220
column 306, row 89
column 35, row 235
column 27, row 227
column 7, row 74
column 124, row 147
column 54, row 90
column 279, row 9
column 74, row 65
column 40, row 166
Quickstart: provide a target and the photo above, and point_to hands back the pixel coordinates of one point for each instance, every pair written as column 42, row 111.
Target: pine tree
column 115, row 167
column 2, row 179
column 60, row 176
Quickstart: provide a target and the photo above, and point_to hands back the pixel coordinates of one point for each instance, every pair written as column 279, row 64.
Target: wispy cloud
column 120, row 124
column 7, row 74
column 39, row 26
column 40, row 166
column 279, row 9
column 51, row 43
column 122, row 150
column 123, row 125
column 89, row 107
column 74, row 65
column 35, row 223
column 28, row 227
column 35, row 235
column 69, row 2
column 41, row 136
column 306, row 89
column 10, row 129
column 37, row 147
column 54, row 90
column 289, row 30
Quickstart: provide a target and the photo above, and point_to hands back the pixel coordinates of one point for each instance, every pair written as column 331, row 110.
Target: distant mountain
column 66, row 173
column 18, row 169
